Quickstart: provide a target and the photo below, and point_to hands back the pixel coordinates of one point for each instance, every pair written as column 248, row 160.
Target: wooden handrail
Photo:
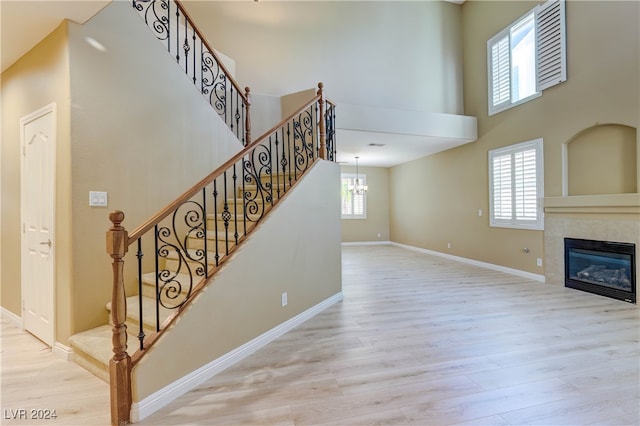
column 155, row 219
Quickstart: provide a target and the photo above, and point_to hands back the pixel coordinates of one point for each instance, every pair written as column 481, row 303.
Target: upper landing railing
column 173, row 26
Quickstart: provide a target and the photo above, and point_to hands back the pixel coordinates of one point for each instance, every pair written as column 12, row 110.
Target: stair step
column 254, row 188
column 198, row 243
column 148, row 311
column 92, row 350
column 281, row 176
column 237, row 205
column 239, row 218
column 172, row 260
column 149, row 284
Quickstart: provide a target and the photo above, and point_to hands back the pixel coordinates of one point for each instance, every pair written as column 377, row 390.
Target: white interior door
column 38, row 134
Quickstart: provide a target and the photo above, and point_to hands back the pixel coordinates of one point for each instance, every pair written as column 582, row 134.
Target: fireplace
column 601, row 267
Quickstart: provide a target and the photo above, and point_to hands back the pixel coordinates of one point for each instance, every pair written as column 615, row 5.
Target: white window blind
column 527, row 57
column 516, row 185
column 354, row 206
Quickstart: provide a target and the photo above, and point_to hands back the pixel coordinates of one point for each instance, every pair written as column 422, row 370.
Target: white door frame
column 24, row 121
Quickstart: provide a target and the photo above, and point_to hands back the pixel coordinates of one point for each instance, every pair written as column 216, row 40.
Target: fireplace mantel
column 603, row 204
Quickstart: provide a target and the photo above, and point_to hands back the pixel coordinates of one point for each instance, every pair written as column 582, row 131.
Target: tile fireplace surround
column 611, row 217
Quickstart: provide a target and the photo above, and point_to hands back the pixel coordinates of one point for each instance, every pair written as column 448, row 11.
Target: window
column 527, row 57
column 354, row 206
column 516, row 185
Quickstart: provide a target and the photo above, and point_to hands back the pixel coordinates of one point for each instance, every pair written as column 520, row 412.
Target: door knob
column 48, row 242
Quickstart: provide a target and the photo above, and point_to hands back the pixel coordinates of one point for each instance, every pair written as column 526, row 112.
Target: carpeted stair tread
column 195, row 257
column 95, row 342
column 148, row 311
column 149, row 281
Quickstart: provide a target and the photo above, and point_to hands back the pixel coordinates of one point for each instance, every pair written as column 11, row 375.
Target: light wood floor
column 32, row 378
column 418, row 340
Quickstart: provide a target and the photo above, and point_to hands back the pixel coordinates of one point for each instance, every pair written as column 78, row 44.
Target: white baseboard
column 157, row 400
column 10, row 316
column 62, row 351
column 58, row 349
column 524, row 274
column 366, row 243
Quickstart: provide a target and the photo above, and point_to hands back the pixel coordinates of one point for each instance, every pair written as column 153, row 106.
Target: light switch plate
column 97, row 199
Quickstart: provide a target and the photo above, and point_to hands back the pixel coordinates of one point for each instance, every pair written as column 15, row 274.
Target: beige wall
column 377, row 221
column 353, row 47
column 435, row 200
column 602, row 160
column 243, row 302
column 40, row 77
column 130, row 123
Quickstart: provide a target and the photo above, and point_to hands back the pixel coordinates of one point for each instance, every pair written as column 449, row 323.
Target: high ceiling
column 25, row 23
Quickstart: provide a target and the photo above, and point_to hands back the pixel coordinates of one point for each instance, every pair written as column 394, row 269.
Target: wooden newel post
column 323, row 130
column 247, row 119
column 120, row 364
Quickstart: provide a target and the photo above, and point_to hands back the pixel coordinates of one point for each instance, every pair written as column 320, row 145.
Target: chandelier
column 358, row 188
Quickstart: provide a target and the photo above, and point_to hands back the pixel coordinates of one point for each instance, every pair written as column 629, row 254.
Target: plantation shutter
column 500, row 70
column 358, row 204
column 526, row 197
column 516, row 185
column 353, row 205
column 550, row 44
column 502, row 184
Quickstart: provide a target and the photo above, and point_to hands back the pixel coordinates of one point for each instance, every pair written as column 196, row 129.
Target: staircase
column 177, row 252
column 92, row 348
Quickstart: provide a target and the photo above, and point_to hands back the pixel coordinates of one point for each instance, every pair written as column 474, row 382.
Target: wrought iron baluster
column 283, row 161
column 204, row 225
column 231, row 112
column 186, row 46
column 333, row 133
column 296, row 147
column 202, row 89
column 275, row 159
column 329, row 116
column 235, row 203
column 157, row 280
column 194, row 52
column 289, row 153
column 270, row 170
column 226, row 216
column 244, row 194
column 215, row 216
column 243, row 122
column 168, row 3
column 315, row 143
column 237, row 115
column 139, row 255
column 178, row 35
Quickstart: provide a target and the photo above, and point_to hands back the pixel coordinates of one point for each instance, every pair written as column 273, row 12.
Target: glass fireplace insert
column 601, row 267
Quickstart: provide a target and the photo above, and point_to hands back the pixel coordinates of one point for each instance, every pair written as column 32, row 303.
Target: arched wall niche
column 602, row 160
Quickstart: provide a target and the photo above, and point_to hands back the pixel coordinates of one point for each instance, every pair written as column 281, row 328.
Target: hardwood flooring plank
column 488, row 403
column 574, row 410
